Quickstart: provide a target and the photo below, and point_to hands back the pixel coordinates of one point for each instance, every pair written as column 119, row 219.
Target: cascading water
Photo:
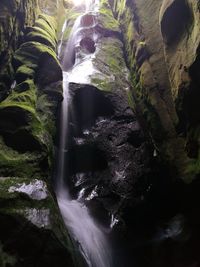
column 92, row 241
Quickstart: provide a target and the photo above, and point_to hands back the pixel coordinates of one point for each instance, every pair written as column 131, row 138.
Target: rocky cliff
column 133, row 129
column 31, row 89
column 161, row 44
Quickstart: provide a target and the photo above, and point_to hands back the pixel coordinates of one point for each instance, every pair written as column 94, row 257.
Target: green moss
column 47, row 23
column 67, row 33
column 111, row 55
column 103, row 85
column 44, row 111
column 17, row 204
column 30, row 52
column 39, row 35
column 130, row 32
column 120, row 7
column 13, row 163
column 25, row 100
column 192, row 170
column 25, row 86
column 24, row 72
column 131, row 101
column 106, row 19
column 6, row 183
column 39, row 124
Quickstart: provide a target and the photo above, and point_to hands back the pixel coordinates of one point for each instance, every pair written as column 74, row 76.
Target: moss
column 49, row 22
column 13, row 163
column 27, row 84
column 192, row 170
column 39, row 126
column 109, row 61
column 25, row 100
column 24, row 72
column 14, row 16
column 111, row 55
column 41, row 36
column 120, row 6
column 67, row 33
column 131, row 101
column 44, row 111
column 44, row 31
column 17, row 203
column 30, row 52
column 102, row 84
column 106, row 19
column 7, row 182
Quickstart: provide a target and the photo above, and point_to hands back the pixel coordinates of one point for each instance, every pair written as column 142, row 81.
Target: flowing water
column 88, row 235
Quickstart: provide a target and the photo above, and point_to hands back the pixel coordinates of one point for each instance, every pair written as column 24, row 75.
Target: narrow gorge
column 99, row 133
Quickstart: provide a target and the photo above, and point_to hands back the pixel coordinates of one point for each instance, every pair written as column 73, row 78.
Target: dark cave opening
column 176, row 21
column 87, row 106
column 21, row 141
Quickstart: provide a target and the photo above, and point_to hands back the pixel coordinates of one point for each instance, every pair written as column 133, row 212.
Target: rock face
column 30, row 225
column 108, row 158
column 32, row 232
column 158, row 38
column 133, row 129
column 15, row 16
column 161, row 40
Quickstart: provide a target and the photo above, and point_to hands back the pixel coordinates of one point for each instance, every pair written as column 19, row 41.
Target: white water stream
column 92, row 241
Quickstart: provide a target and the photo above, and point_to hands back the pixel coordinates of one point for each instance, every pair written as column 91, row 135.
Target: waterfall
column 83, row 229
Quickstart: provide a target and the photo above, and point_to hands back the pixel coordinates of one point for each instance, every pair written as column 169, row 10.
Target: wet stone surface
column 37, row 189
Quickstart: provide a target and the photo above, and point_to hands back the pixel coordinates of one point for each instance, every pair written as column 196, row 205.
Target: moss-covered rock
column 14, row 163
column 27, row 129
column 23, row 73
column 23, row 115
column 151, row 44
column 106, row 19
column 44, row 31
column 29, row 205
column 111, row 71
column 15, row 16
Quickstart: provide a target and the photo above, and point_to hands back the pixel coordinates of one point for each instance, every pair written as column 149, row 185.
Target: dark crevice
column 176, row 20
column 89, row 104
column 135, row 139
column 12, row 118
column 21, row 141
column 88, row 45
column 86, row 158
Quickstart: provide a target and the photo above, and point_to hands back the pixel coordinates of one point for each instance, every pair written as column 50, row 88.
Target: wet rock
column 13, row 18
column 36, row 189
column 88, row 45
column 29, row 205
column 32, row 104
column 108, row 157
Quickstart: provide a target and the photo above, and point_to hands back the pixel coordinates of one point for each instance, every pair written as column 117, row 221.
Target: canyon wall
column 136, row 157
column 162, row 49
column 32, row 232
